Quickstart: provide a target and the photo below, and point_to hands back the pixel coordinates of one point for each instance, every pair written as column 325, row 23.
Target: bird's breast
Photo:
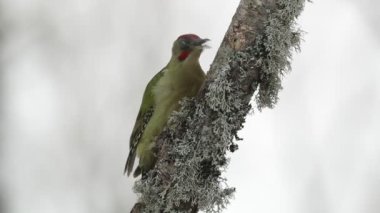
column 173, row 86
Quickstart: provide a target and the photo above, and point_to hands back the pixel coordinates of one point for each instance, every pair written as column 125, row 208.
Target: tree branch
column 191, row 151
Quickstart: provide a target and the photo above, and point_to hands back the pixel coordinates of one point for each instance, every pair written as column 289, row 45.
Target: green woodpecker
column 182, row 77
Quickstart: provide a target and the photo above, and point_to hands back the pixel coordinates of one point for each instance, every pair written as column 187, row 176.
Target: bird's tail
column 130, row 162
column 137, row 172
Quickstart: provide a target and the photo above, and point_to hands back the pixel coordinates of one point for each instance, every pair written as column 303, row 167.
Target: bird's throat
column 184, row 54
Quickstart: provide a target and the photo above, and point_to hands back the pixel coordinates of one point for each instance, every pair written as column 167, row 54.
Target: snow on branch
column 191, row 151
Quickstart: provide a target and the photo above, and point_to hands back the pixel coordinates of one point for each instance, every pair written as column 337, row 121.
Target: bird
column 181, row 77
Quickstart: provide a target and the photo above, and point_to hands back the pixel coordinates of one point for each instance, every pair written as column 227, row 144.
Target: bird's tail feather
column 130, row 162
column 137, row 172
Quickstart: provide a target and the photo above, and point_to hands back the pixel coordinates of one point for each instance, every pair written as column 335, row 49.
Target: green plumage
column 143, row 118
column 180, row 78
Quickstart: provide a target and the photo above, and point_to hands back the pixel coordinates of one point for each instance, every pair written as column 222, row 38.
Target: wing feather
column 145, row 113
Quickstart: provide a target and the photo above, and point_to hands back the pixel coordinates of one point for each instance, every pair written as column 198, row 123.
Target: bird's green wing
column 145, row 113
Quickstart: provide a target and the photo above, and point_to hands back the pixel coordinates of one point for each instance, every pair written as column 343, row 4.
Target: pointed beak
column 200, row 42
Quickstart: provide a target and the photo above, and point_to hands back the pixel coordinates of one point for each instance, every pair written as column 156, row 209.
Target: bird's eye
column 184, row 45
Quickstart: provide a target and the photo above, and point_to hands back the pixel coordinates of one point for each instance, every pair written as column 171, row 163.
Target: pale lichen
column 273, row 50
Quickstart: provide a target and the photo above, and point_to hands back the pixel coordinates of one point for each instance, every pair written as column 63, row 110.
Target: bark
column 191, row 151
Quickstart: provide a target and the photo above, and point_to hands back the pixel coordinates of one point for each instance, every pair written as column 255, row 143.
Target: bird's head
column 188, row 46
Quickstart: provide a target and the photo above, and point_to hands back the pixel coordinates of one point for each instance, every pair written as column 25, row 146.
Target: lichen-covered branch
column 191, row 151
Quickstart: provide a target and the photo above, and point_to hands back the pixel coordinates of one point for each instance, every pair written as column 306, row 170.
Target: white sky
column 74, row 72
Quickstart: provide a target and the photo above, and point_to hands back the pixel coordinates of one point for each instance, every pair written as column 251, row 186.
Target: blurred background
column 72, row 74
